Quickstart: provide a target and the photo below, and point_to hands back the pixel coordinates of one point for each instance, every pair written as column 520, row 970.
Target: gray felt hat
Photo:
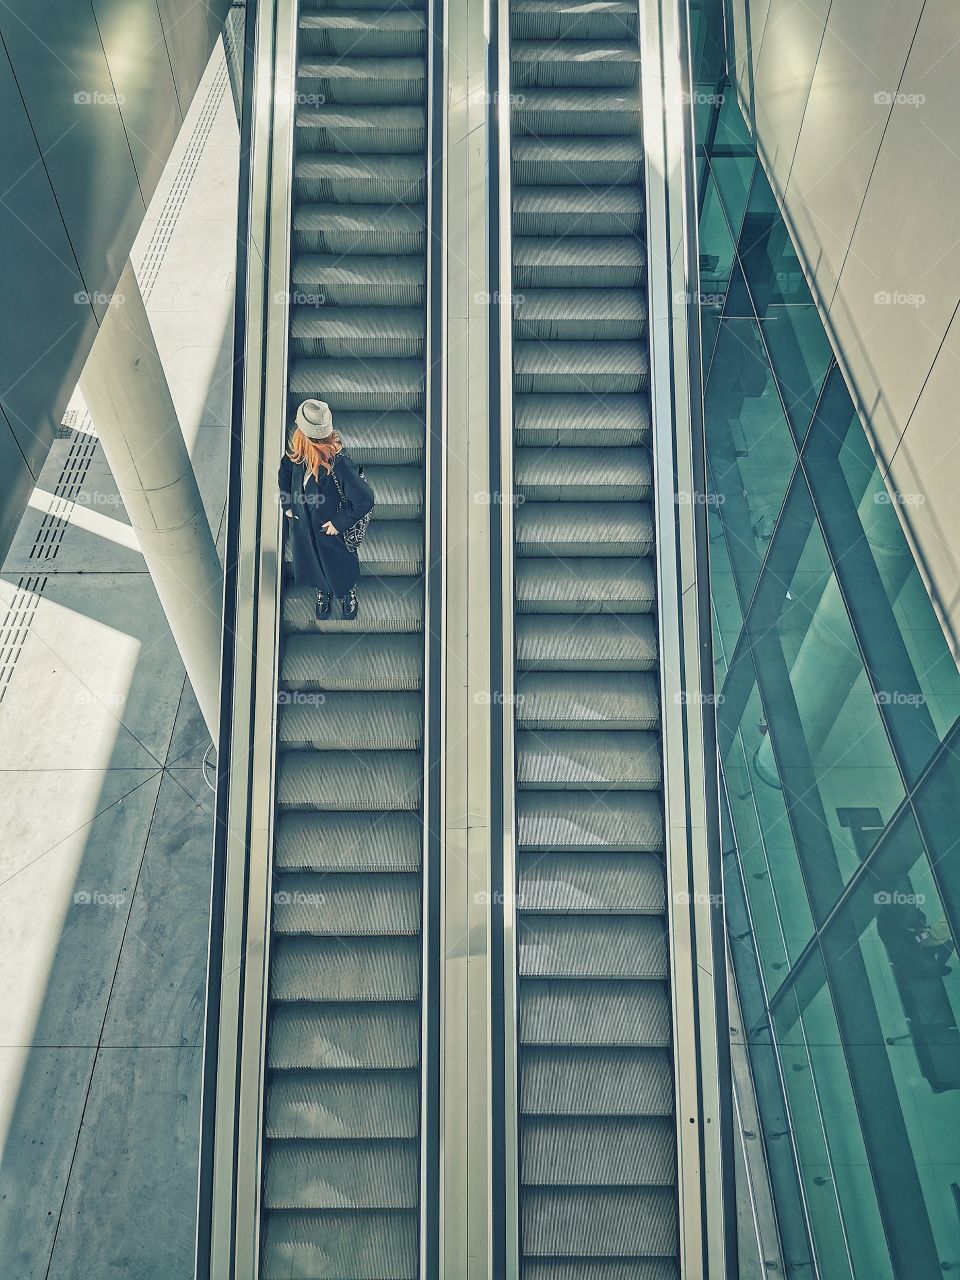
column 315, row 419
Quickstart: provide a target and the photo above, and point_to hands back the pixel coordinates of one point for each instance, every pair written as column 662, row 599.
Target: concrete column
column 126, row 392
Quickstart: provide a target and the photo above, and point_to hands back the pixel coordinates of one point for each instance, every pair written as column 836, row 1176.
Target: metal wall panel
column 62, row 74
column 41, row 327
column 783, row 73
column 858, row 128
column 857, row 77
column 142, row 78
column 92, row 95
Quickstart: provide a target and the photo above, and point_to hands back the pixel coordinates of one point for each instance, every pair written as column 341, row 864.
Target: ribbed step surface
column 597, row 1157
column 343, row 1093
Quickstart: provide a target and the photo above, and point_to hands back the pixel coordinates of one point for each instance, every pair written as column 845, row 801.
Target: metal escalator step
column 585, row 585
column 391, row 548
column 581, row 63
column 581, row 420
column 387, row 439
column 598, row 1151
column 356, row 661
column 581, row 263
column 586, row 475
column 581, row 162
column 339, row 1246
column 398, row 490
column 597, row 883
column 628, row 1082
column 587, row 315
column 599, row 1269
column 578, row 211
column 354, row 905
column 355, row 333
column 591, row 642
column 333, row 780
column 623, row 1222
column 326, row 6
column 583, row 112
column 360, row 179
column 387, row 31
column 584, row 529
column 363, row 1037
column 346, row 1105
column 340, row 1175
column 389, row 81
column 355, row 281
column 350, row 722
column 573, row 19
column 598, row 700
column 390, row 605
column 595, row 368
column 321, row 970
column 575, row 946
column 354, row 130
column 367, row 229
column 615, row 761
column 347, row 842
column 359, row 386
column 585, row 823
column 605, row 1012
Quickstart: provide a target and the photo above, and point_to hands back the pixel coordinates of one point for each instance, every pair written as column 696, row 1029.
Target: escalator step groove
column 347, row 842
column 598, row 1151
column 565, row 946
column 364, row 1037
column 374, row 1245
column 344, row 1105
column 612, row 1082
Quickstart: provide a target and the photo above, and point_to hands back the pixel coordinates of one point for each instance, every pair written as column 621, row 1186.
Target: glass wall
column 838, row 704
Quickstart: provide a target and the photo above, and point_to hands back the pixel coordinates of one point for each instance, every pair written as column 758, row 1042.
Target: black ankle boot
column 324, row 604
column 349, row 605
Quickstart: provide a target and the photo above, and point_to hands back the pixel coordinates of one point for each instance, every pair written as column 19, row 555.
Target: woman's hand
column 329, row 527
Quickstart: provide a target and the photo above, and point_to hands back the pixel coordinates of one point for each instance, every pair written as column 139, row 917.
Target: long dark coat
column 323, row 560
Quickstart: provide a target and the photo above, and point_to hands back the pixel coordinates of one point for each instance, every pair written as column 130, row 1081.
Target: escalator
column 343, row 1089
column 597, row 1137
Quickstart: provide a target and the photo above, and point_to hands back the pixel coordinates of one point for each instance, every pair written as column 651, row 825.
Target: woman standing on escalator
column 328, row 503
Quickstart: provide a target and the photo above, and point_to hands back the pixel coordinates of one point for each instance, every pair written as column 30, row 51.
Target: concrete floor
column 105, row 817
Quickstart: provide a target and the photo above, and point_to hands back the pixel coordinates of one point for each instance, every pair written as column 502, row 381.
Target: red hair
column 314, row 454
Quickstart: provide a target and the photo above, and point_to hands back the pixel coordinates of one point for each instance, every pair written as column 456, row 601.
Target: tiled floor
column 105, row 817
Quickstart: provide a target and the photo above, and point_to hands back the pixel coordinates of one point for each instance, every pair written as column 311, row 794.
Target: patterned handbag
column 353, row 536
